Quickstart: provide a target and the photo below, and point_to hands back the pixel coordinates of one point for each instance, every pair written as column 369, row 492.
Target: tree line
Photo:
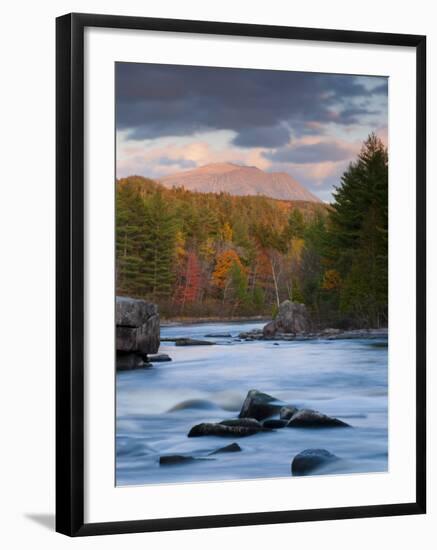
column 217, row 255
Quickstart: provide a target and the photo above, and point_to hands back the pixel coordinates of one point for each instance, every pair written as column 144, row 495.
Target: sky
column 171, row 118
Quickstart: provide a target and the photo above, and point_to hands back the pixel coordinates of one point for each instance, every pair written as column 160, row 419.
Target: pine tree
column 359, row 235
column 158, row 248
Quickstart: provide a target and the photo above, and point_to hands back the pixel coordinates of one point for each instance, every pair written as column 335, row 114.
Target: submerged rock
column 219, row 335
column 196, row 404
column 223, row 430
column 259, row 405
column 310, row 460
column 307, row 418
column 171, row 460
column 274, row 423
column 192, row 342
column 158, row 358
column 232, row 448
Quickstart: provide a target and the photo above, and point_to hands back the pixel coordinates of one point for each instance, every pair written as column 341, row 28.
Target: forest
column 221, row 256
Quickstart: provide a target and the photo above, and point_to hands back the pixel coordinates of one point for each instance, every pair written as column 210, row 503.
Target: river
column 342, row 378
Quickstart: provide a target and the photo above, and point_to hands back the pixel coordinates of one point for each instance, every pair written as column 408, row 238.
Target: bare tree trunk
column 275, row 282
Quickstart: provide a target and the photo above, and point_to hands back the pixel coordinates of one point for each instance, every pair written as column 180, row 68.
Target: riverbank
column 177, row 321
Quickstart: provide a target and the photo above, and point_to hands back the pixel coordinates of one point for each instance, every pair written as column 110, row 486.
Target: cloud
column 180, row 162
column 163, row 158
column 262, row 137
column 261, row 107
column 312, row 153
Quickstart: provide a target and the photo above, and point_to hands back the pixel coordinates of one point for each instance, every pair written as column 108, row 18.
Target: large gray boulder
column 137, row 331
column 292, row 318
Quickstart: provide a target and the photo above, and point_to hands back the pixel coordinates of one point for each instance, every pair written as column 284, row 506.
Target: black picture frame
column 70, row 273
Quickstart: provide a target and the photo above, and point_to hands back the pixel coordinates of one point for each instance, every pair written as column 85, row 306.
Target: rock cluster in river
column 325, row 334
column 137, row 332
column 256, row 416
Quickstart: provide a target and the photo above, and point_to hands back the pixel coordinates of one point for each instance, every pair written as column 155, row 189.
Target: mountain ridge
column 239, row 180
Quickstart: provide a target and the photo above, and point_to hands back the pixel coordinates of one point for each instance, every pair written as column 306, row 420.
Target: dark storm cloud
column 259, row 106
column 262, row 137
column 307, row 154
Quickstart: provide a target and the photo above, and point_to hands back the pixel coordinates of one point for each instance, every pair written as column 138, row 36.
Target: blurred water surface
column 343, row 378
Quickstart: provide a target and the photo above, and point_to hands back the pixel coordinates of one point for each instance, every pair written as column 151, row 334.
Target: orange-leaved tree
column 223, row 266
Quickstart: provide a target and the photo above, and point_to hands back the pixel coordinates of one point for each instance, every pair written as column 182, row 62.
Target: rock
column 129, row 361
column 158, row 358
column 223, row 430
column 196, row 404
column 137, row 330
column 259, row 405
column 242, row 423
column 132, row 313
column 192, row 342
column 251, row 334
column 270, row 329
column 274, row 423
column 171, row 460
column 358, row 333
column 292, row 318
column 307, row 418
column 232, row 448
column 311, row 459
column 219, row 335
column 287, row 412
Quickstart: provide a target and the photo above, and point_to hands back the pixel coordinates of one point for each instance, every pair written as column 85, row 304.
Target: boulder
column 310, row 460
column 259, row 405
column 307, row 418
column 292, row 318
column 287, row 412
column 223, row 430
column 137, row 330
column 270, row 329
column 129, row 361
column 242, row 423
column 232, row 448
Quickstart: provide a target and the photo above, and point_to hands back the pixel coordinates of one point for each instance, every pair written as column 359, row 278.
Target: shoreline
column 177, row 321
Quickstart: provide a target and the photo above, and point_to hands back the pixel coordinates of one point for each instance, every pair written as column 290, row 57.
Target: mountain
column 239, row 180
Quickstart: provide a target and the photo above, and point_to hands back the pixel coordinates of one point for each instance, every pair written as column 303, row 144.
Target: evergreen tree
column 158, row 250
column 359, row 235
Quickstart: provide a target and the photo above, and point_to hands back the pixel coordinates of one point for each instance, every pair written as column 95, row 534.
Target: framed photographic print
column 240, row 274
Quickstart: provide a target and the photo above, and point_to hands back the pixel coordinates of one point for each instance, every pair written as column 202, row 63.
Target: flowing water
column 342, row 378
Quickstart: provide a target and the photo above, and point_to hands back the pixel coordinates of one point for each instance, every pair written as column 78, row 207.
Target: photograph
column 251, row 300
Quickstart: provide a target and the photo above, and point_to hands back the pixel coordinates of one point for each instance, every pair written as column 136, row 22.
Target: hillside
column 241, row 181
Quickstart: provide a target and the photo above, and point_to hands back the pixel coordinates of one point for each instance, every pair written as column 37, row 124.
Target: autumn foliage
column 213, row 254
